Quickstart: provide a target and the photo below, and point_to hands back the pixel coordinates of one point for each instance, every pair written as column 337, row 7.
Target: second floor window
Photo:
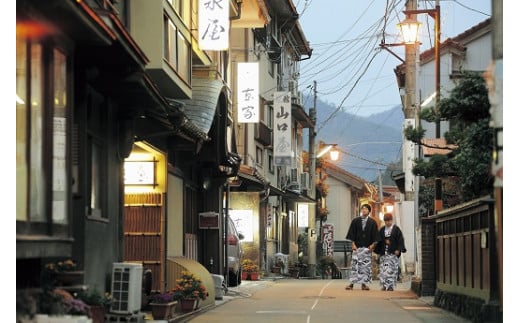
column 259, row 156
column 177, row 50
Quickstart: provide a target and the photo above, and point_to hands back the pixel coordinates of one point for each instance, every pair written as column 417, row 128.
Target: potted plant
column 99, row 303
column 62, row 273
column 278, row 266
column 162, row 305
column 327, row 266
column 188, row 290
column 58, row 305
column 294, row 271
column 250, row 269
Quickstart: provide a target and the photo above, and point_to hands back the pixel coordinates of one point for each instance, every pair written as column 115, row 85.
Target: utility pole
column 410, row 214
column 311, row 234
column 410, row 109
column 438, row 181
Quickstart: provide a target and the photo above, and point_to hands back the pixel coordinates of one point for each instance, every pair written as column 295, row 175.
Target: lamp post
column 410, row 28
column 323, row 149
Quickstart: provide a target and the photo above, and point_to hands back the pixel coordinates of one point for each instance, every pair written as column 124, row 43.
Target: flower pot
column 245, row 275
column 97, row 313
column 162, row 311
column 189, row 304
column 253, row 276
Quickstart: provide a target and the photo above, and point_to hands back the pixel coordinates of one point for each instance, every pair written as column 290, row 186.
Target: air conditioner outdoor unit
column 294, row 175
column 293, row 88
column 126, row 287
column 305, row 181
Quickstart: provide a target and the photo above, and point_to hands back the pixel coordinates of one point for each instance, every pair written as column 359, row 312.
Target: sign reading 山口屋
column 282, row 129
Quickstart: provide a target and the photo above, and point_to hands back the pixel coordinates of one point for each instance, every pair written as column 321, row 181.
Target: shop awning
column 200, row 109
column 297, row 197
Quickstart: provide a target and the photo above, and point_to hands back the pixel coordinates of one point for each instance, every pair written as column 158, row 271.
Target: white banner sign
column 247, row 93
column 328, row 239
column 282, row 128
column 303, row 215
column 243, row 220
column 214, row 24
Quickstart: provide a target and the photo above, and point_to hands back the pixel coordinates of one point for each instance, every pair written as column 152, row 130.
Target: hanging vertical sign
column 282, row 128
column 303, row 215
column 214, row 24
column 247, row 93
column 327, row 236
column 269, row 218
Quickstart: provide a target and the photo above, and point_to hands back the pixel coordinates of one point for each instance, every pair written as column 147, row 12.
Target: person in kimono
column 363, row 233
column 390, row 247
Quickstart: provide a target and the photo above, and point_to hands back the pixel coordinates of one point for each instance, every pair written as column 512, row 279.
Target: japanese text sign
column 247, row 93
column 214, row 24
column 282, row 128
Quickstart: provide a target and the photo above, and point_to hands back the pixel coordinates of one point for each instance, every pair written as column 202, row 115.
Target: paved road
column 308, row 301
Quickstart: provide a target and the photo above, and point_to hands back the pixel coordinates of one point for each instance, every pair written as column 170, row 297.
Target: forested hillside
column 370, row 143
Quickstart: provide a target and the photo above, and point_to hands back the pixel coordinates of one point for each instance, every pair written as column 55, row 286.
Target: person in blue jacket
column 363, row 234
column 389, row 247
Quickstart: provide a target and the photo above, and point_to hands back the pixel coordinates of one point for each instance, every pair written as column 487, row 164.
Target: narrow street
column 302, row 300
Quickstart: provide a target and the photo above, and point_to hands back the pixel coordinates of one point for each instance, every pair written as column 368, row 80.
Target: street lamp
column 410, row 30
column 329, row 148
column 321, row 149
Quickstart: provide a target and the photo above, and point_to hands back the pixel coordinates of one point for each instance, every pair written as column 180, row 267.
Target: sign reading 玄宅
column 247, row 93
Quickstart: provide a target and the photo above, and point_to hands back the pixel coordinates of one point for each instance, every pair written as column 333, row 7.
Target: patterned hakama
column 361, row 272
column 388, row 270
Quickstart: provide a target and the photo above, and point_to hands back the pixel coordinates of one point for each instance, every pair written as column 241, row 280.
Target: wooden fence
column 465, row 254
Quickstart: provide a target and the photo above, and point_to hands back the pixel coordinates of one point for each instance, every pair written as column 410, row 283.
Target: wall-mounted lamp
column 206, row 183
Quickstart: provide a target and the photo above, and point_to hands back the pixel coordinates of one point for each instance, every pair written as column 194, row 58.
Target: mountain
column 367, row 144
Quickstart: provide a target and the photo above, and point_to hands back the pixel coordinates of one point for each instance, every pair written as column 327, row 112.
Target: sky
column 347, row 63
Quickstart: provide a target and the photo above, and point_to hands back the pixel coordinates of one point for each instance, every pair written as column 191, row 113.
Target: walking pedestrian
column 363, row 233
column 389, row 247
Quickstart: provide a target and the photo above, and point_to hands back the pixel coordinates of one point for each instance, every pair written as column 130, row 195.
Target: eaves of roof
column 298, row 112
column 297, row 197
column 344, row 176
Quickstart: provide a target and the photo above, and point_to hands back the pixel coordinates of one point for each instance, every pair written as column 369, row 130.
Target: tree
column 465, row 169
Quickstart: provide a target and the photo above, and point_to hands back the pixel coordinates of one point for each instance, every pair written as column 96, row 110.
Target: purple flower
column 76, row 306
column 162, row 298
